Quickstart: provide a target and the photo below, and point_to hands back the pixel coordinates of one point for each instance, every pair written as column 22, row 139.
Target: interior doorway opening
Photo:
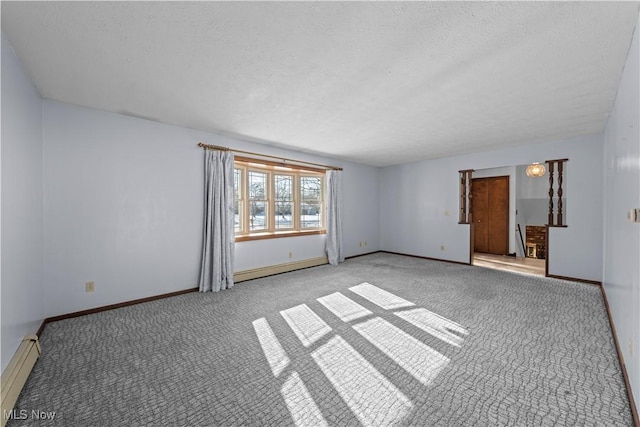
column 507, row 229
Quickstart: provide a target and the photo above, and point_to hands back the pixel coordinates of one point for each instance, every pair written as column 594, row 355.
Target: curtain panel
column 333, row 245
column 216, row 271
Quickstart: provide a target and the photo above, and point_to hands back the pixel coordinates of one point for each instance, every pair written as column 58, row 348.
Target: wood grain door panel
column 480, row 197
column 491, row 215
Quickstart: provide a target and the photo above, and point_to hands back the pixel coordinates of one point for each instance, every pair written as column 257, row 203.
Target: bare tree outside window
column 257, row 200
column 283, row 189
column 310, row 202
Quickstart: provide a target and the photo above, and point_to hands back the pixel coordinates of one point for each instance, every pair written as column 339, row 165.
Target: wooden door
column 490, row 198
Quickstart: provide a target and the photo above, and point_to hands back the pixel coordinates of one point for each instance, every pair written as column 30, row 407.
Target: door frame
column 471, row 236
column 508, row 227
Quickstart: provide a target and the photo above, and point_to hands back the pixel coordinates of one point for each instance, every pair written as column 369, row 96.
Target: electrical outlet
column 365, row 243
column 442, row 247
column 447, row 213
column 89, row 286
column 290, row 254
column 360, row 244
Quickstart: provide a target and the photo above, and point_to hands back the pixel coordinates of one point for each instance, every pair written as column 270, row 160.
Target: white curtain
column 218, row 239
column 333, row 244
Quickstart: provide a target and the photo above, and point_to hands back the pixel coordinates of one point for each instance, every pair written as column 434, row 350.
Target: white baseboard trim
column 256, row 273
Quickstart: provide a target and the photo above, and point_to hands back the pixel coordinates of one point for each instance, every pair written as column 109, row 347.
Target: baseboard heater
column 277, row 269
column 16, row 374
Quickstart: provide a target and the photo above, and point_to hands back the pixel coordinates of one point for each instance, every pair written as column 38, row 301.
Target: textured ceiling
column 376, row 82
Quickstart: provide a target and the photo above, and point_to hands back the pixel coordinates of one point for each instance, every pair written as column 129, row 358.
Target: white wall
column 621, row 193
column 21, row 230
column 123, row 208
column 415, row 196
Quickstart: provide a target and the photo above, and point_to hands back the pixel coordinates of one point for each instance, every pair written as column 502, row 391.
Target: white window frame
column 244, row 166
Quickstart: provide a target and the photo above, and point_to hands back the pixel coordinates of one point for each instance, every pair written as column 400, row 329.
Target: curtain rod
column 283, row 159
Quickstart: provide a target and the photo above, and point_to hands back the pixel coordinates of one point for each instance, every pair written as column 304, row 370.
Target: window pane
column 283, row 187
column 284, row 218
column 239, row 217
column 236, row 182
column 311, row 187
column 257, row 215
column 257, row 185
column 237, row 210
column 311, row 202
column 258, row 201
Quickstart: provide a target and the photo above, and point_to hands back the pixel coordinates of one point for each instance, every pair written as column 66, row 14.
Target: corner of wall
column 21, row 217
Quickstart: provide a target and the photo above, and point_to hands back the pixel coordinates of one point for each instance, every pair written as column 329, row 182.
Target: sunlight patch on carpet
column 273, row 351
column 434, row 324
column 380, row 297
column 343, row 307
column 302, row 407
column 372, row 398
column 306, row 324
column 415, row 357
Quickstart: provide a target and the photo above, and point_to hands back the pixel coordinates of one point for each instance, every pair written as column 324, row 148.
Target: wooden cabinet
column 536, row 241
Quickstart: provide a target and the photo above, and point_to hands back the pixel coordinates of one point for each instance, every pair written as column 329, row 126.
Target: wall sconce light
column 536, row 170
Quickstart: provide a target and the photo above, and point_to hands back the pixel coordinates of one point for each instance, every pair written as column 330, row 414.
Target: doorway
column 491, row 215
column 508, row 207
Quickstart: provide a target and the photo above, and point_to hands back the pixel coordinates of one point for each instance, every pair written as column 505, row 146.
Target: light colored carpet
column 379, row 340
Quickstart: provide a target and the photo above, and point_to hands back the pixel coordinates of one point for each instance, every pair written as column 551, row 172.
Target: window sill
column 278, row 234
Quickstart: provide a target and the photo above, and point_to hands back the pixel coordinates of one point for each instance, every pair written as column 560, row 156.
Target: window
column 276, row 201
column 258, row 201
column 238, row 192
column 310, row 202
column 284, row 201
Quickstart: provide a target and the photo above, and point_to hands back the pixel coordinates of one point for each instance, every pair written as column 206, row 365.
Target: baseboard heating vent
column 256, row 273
column 16, row 374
